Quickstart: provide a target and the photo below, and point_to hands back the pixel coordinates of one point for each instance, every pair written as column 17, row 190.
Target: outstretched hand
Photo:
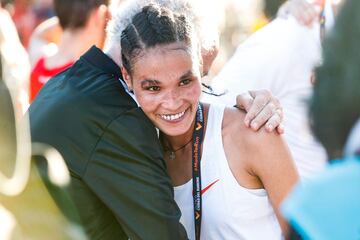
column 263, row 110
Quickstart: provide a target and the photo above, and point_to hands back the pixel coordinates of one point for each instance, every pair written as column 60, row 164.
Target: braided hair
column 151, row 27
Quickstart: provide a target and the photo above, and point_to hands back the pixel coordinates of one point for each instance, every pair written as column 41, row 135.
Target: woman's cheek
column 149, row 101
column 194, row 92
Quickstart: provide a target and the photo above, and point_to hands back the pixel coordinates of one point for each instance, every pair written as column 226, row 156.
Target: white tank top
column 229, row 211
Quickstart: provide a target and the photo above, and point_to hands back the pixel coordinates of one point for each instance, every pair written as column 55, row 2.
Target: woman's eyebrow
column 149, row 82
column 187, row 75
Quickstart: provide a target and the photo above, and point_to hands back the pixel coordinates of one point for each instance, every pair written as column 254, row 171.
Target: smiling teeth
column 172, row 117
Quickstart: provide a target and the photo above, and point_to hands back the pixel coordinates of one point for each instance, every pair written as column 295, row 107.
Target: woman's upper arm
column 270, row 160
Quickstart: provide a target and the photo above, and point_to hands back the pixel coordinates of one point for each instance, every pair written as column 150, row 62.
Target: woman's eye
column 185, row 82
column 153, row 88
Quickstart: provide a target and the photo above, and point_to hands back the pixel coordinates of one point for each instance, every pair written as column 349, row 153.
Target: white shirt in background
column 279, row 57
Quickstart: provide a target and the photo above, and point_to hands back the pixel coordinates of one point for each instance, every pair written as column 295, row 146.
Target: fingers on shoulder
column 234, row 118
column 233, row 123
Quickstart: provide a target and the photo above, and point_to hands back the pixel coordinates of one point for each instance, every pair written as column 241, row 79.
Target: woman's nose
column 172, row 100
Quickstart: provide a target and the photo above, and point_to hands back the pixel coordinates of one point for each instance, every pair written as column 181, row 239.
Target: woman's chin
column 173, row 132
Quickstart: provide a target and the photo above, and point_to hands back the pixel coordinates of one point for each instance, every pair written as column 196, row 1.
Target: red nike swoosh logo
column 208, row 187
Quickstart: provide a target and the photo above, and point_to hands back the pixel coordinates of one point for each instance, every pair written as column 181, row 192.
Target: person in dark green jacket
column 119, row 181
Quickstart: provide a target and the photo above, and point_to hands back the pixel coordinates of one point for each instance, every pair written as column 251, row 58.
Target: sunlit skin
column 166, row 83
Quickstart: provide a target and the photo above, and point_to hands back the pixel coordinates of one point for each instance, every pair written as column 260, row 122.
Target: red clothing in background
column 41, row 74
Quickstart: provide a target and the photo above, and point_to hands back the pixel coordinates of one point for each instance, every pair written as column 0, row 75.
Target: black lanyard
column 198, row 135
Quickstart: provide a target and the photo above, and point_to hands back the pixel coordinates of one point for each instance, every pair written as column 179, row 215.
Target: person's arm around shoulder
column 263, row 110
column 260, row 160
column 128, row 173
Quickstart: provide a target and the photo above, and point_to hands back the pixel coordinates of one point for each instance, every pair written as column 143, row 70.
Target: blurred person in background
column 82, row 25
column 327, row 207
column 281, row 57
column 24, row 19
column 306, row 12
column 15, row 63
column 43, row 9
column 7, row 127
column 237, row 21
column 118, row 174
column 270, row 10
column 7, row 154
column 27, row 14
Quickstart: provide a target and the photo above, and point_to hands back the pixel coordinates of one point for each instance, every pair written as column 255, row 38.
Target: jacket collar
column 100, row 60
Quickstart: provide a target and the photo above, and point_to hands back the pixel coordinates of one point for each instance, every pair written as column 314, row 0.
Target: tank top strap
column 214, row 126
column 213, row 146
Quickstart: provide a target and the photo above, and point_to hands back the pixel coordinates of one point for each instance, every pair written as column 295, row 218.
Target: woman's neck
column 177, row 154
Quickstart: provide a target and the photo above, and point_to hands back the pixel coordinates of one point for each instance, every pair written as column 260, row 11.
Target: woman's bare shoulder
column 233, row 118
column 234, row 125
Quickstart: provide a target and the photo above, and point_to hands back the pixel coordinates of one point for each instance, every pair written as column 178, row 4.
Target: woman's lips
column 173, row 117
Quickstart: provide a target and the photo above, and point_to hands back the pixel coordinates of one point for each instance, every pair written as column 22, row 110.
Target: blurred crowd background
column 235, row 21
column 27, row 15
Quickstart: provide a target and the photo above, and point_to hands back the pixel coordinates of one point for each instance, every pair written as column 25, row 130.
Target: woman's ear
column 126, row 77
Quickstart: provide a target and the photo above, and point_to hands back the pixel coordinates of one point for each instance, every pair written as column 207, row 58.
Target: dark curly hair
column 335, row 105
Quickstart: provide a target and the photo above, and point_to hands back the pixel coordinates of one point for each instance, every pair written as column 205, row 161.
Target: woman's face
column 166, row 83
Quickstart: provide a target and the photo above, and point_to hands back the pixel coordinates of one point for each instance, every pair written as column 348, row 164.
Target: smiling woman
column 161, row 65
column 169, row 98
column 168, row 93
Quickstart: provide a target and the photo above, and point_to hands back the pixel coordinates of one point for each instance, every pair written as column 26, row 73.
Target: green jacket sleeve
column 128, row 173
